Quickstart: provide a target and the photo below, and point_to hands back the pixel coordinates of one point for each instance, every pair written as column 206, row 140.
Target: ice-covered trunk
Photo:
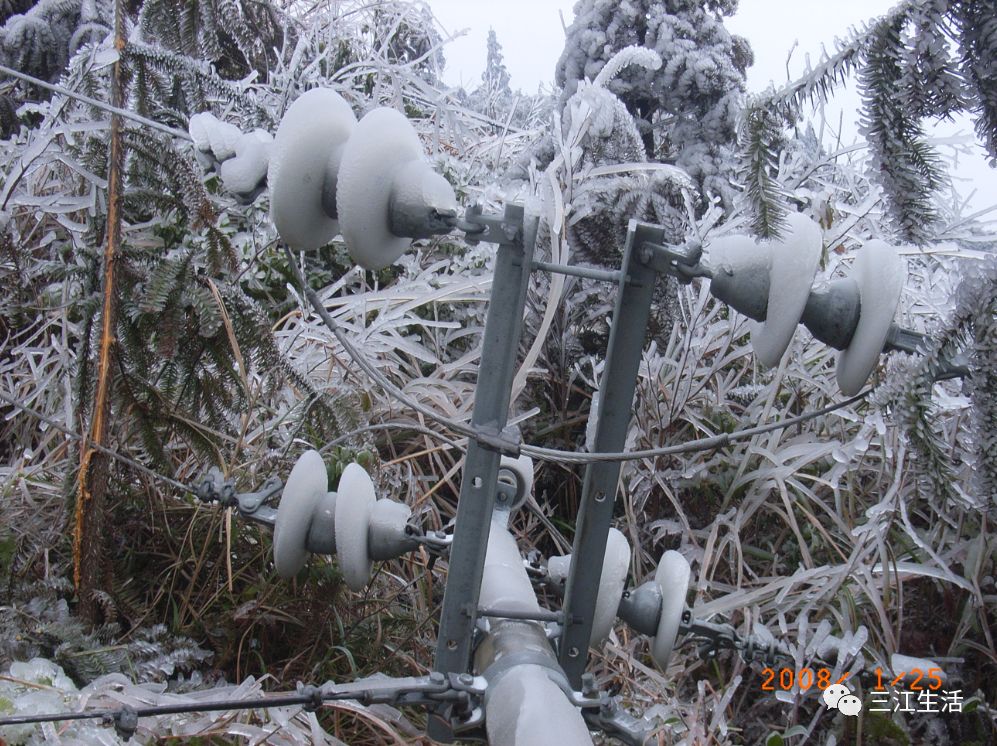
column 524, row 705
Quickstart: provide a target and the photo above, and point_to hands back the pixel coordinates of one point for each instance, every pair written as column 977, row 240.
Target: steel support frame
column 479, row 482
column 503, row 326
column 599, row 487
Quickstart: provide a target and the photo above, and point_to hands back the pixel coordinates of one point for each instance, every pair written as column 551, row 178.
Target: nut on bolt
column 588, row 685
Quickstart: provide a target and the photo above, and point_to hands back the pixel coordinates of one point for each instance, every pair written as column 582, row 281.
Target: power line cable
column 97, row 447
column 692, row 446
column 97, row 103
column 419, row 689
column 364, row 364
column 548, row 454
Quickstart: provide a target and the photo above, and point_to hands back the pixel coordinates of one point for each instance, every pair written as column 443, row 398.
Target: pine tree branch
column 906, row 166
column 760, row 142
column 820, row 81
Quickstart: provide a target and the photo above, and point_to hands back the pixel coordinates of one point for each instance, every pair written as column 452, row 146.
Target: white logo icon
column 839, row 697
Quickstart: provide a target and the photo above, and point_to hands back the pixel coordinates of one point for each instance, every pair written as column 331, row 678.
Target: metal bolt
column 437, row 677
column 466, row 679
column 588, row 684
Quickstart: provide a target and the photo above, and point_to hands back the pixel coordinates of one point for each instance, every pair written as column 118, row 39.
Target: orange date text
column 789, row 679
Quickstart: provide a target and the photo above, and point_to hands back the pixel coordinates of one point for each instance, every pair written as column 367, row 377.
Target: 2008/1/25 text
column 787, row 679
column 916, row 675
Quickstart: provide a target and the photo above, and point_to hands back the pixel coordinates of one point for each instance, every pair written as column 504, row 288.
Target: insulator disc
column 354, row 503
column 880, row 274
column 305, row 487
column 383, row 148
column 672, row 578
column 383, row 142
column 518, row 471
column 614, row 576
column 793, row 264
column 305, row 153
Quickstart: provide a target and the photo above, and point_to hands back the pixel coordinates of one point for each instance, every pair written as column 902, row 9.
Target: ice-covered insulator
column 304, row 490
column 880, row 274
column 768, row 281
column 387, row 193
column 672, row 577
column 354, row 506
column 244, row 174
column 304, row 166
column 793, row 263
column 200, row 126
column 615, row 564
column 517, row 472
column 215, row 142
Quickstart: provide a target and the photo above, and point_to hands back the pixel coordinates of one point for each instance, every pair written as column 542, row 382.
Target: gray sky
column 532, row 36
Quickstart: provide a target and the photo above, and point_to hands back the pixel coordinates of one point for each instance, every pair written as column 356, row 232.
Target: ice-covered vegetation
column 852, row 536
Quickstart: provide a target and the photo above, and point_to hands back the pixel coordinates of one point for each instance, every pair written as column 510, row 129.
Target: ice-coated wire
column 700, row 444
column 412, row 427
column 363, row 363
column 96, row 102
column 311, row 697
column 216, row 706
column 97, row 447
column 549, row 454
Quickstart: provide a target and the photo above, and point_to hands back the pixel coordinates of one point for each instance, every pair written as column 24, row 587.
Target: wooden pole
column 91, row 486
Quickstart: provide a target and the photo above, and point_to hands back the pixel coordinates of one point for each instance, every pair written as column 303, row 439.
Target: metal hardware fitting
column 682, row 262
column 578, row 271
column 504, row 231
column 215, row 488
column 508, row 441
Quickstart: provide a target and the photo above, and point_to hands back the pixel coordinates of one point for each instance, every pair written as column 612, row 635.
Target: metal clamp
column 481, row 228
column 215, row 488
column 125, row 722
column 681, row 262
column 713, row 638
column 613, row 720
column 437, row 543
column 507, row 441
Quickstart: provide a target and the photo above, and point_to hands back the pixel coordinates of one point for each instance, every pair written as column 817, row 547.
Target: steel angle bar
column 578, row 271
column 616, row 393
column 479, row 481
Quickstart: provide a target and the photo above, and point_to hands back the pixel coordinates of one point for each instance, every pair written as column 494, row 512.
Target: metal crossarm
column 479, row 482
column 616, row 393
